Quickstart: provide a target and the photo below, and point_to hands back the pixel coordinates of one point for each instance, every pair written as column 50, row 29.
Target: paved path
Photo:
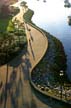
column 19, row 93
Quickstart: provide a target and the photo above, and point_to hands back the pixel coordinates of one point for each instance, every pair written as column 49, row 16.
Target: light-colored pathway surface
column 19, row 93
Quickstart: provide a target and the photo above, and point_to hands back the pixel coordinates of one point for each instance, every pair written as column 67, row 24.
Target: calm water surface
column 52, row 17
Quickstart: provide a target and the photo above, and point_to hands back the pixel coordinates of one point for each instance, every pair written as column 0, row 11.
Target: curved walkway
column 19, row 93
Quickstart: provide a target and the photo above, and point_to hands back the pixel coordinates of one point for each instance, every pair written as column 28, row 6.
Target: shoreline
column 41, row 89
column 28, row 19
column 59, row 44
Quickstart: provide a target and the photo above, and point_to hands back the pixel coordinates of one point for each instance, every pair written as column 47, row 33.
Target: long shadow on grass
column 13, row 88
column 31, row 49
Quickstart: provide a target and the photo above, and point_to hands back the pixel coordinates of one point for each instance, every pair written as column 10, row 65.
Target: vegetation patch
column 11, row 44
column 6, row 15
column 4, row 23
column 12, row 38
column 28, row 15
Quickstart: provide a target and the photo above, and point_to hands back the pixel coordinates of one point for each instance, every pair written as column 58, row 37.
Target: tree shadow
column 18, row 60
column 26, row 68
column 31, row 37
column 16, row 91
column 33, row 103
column 14, row 101
column 7, row 89
column 31, row 49
column 26, row 105
column 17, row 88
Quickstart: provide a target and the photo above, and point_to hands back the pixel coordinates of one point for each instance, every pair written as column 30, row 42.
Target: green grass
column 28, row 15
column 4, row 23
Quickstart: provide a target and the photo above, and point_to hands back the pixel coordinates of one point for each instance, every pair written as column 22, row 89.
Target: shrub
column 10, row 27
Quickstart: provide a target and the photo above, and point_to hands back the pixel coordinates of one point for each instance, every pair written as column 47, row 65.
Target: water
column 52, row 17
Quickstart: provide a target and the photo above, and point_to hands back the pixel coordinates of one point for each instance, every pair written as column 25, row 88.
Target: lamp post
column 61, row 76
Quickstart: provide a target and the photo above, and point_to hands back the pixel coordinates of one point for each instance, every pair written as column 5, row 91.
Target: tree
column 10, row 27
column 5, row 11
column 6, row 44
